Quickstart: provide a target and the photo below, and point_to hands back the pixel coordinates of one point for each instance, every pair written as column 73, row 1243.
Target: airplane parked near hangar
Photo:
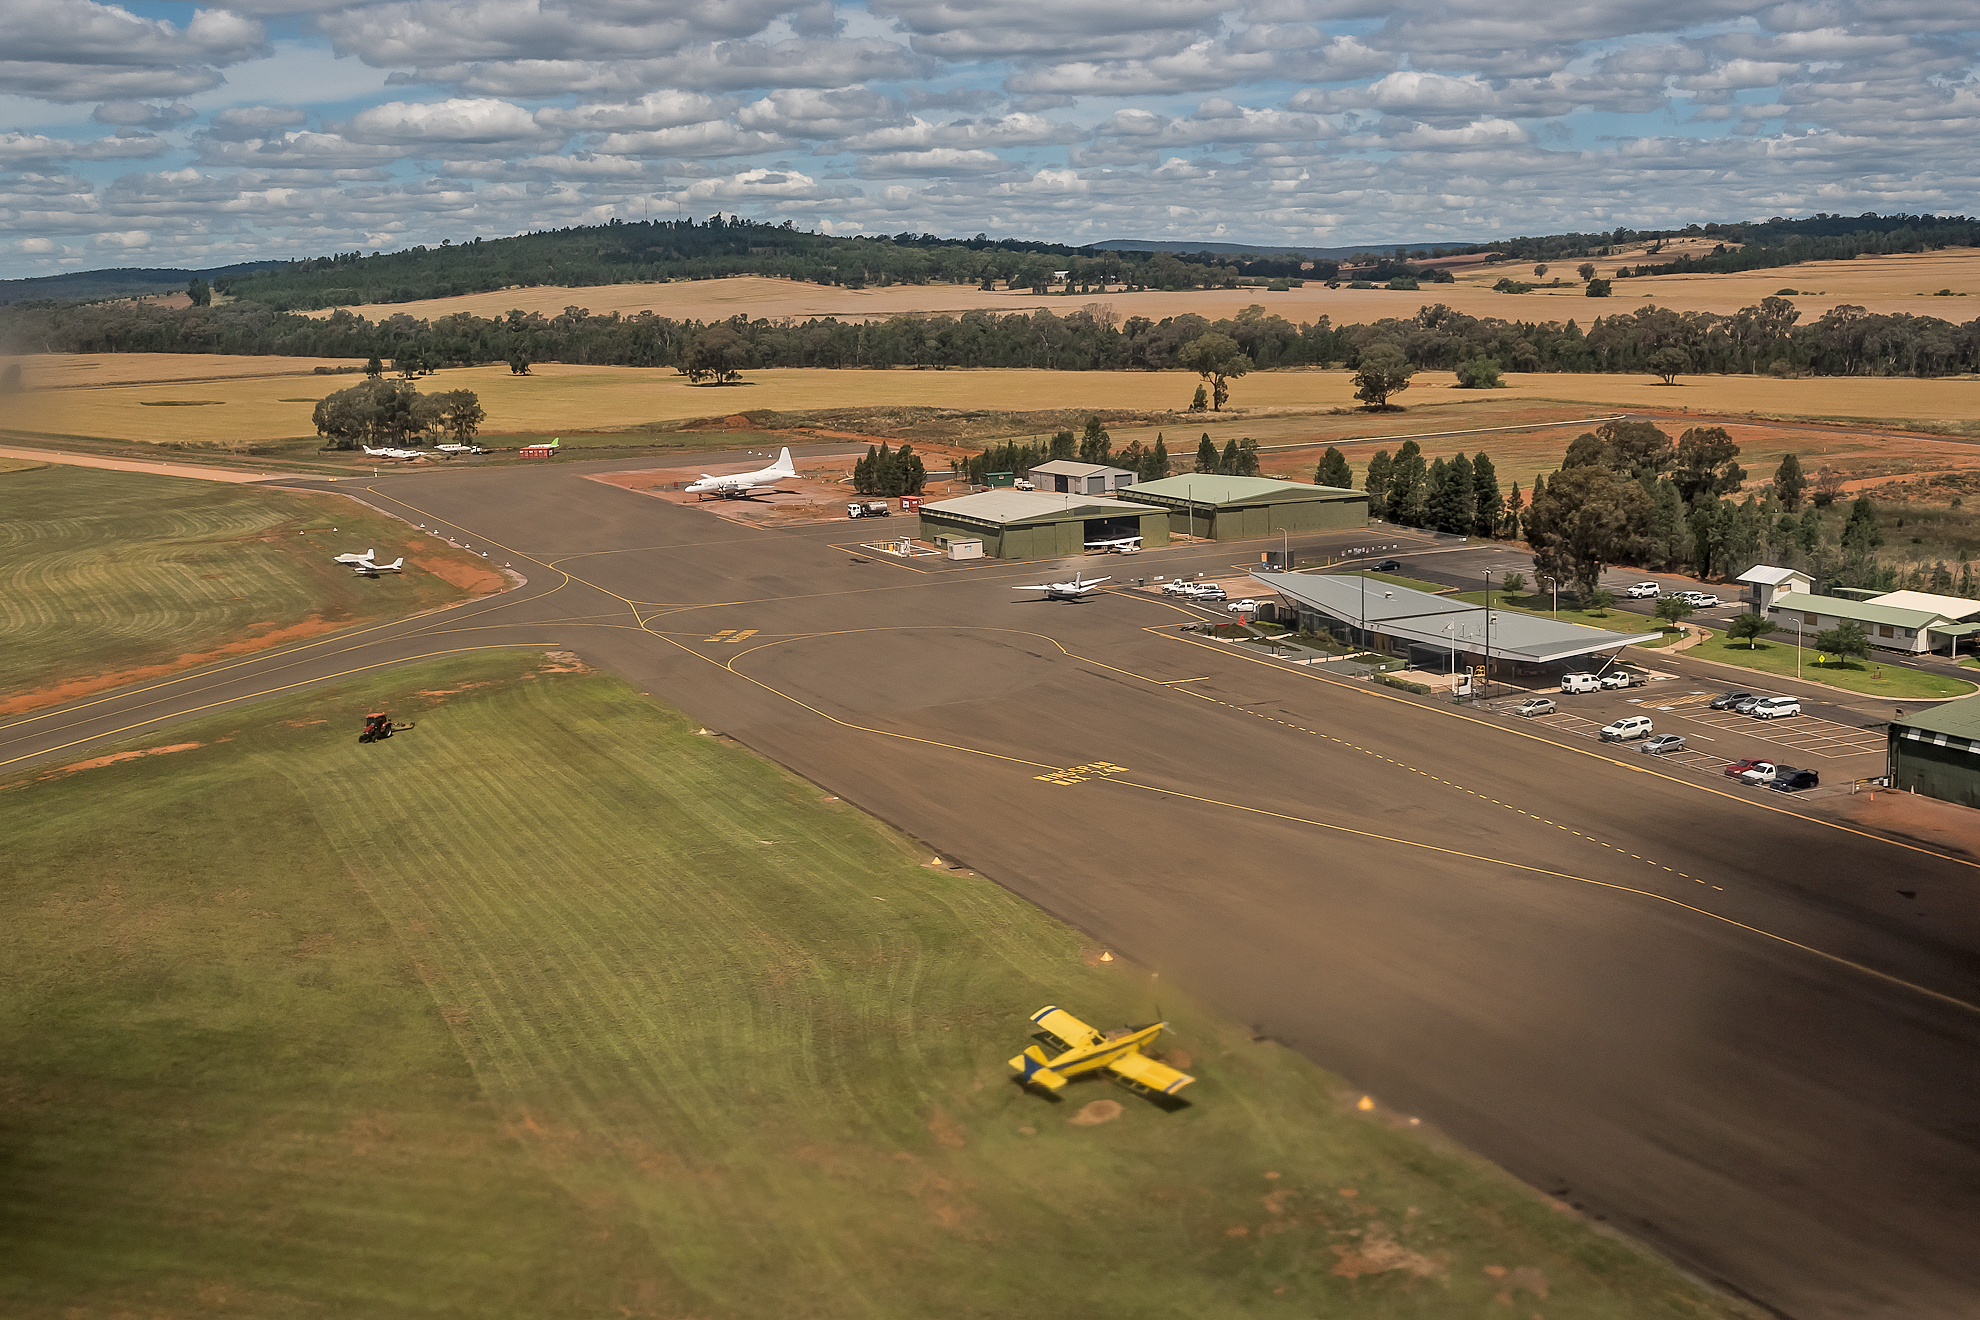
column 404, row 454
column 1084, row 1050
column 1125, row 545
column 744, row 484
column 451, row 450
column 1072, row 590
column 364, row 558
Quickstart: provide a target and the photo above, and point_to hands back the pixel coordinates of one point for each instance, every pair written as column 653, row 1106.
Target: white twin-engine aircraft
column 743, row 484
column 1123, row 545
column 403, row 455
column 1072, row 590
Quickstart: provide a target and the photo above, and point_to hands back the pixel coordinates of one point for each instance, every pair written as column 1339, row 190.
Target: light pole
column 1285, row 555
column 1555, row 587
column 1488, row 637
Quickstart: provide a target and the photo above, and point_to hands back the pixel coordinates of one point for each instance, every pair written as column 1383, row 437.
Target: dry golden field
column 220, row 400
column 1882, row 284
column 46, row 371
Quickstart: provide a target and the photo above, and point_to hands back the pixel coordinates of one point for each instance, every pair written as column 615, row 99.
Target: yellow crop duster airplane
column 1084, row 1050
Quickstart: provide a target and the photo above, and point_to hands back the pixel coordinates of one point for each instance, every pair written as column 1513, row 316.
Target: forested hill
column 642, row 251
column 122, row 282
column 1759, row 244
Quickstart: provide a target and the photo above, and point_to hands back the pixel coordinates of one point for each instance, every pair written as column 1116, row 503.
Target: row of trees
column 887, row 472
column 1846, row 340
column 394, row 412
column 1460, row 496
column 1238, row 458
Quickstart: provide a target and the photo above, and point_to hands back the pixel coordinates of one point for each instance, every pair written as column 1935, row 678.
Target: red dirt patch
column 471, row 578
column 1908, row 816
column 57, row 693
column 97, row 761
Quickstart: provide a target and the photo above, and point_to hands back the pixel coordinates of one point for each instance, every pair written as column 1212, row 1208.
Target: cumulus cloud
column 242, row 123
column 136, row 114
column 460, row 121
column 18, row 149
column 79, row 50
column 999, row 29
column 934, row 161
column 126, row 240
column 1202, row 66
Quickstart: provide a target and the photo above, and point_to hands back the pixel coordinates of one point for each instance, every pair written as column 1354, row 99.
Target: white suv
column 1774, row 708
column 1644, row 591
column 1626, row 728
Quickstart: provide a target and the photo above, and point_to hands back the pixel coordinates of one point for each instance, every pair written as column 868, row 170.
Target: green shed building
column 1937, row 752
column 1025, row 524
column 1236, row 508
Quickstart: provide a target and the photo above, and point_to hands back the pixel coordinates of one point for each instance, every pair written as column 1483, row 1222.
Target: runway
column 1716, row 1024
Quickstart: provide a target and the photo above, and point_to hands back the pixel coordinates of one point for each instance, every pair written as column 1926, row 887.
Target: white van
column 1626, row 728
column 1580, row 683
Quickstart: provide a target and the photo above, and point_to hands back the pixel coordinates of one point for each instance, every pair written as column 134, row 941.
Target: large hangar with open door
column 1237, row 508
column 1025, row 524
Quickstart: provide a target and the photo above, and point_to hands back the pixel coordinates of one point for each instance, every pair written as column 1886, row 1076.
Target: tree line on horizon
column 1766, row 337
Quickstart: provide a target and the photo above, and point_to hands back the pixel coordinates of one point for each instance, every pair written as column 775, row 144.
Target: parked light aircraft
column 1125, row 545
column 364, row 558
column 1083, row 1050
column 743, row 484
column 368, row 569
column 1072, row 590
column 406, row 454
column 459, row 449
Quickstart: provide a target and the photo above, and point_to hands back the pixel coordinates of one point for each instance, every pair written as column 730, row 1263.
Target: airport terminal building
column 1436, row 633
column 1026, row 524
column 1236, row 508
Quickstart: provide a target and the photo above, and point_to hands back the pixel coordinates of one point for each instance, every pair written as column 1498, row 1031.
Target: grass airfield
column 117, row 576
column 554, row 1006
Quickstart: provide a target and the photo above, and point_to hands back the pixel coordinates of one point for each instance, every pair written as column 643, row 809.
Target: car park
column 1663, row 742
column 1774, row 708
column 1580, row 683
column 1763, row 772
column 1537, row 706
column 1740, row 767
column 1727, row 700
column 1626, row 728
column 1245, row 606
column 1644, row 591
column 1794, row 781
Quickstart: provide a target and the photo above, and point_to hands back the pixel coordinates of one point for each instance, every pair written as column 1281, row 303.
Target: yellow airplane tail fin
column 1036, row 1069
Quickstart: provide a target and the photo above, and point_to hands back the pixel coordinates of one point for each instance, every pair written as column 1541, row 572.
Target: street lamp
column 1555, row 587
column 1285, row 555
column 1488, row 636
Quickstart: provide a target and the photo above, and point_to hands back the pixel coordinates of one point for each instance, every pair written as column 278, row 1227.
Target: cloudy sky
column 158, row 133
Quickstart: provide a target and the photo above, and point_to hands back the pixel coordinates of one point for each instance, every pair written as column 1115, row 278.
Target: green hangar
column 1026, row 524
column 1235, row 508
column 1937, row 752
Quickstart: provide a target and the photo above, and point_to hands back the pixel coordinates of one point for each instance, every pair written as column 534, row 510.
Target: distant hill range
column 123, row 282
column 1252, row 250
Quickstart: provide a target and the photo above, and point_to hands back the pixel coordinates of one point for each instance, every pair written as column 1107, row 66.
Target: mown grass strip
column 551, row 1006
column 111, row 571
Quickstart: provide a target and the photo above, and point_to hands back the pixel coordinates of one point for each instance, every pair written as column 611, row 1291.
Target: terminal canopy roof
column 1438, row 621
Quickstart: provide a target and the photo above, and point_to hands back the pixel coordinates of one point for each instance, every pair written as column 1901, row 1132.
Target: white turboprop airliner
column 1072, row 590
column 744, row 484
column 354, row 559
